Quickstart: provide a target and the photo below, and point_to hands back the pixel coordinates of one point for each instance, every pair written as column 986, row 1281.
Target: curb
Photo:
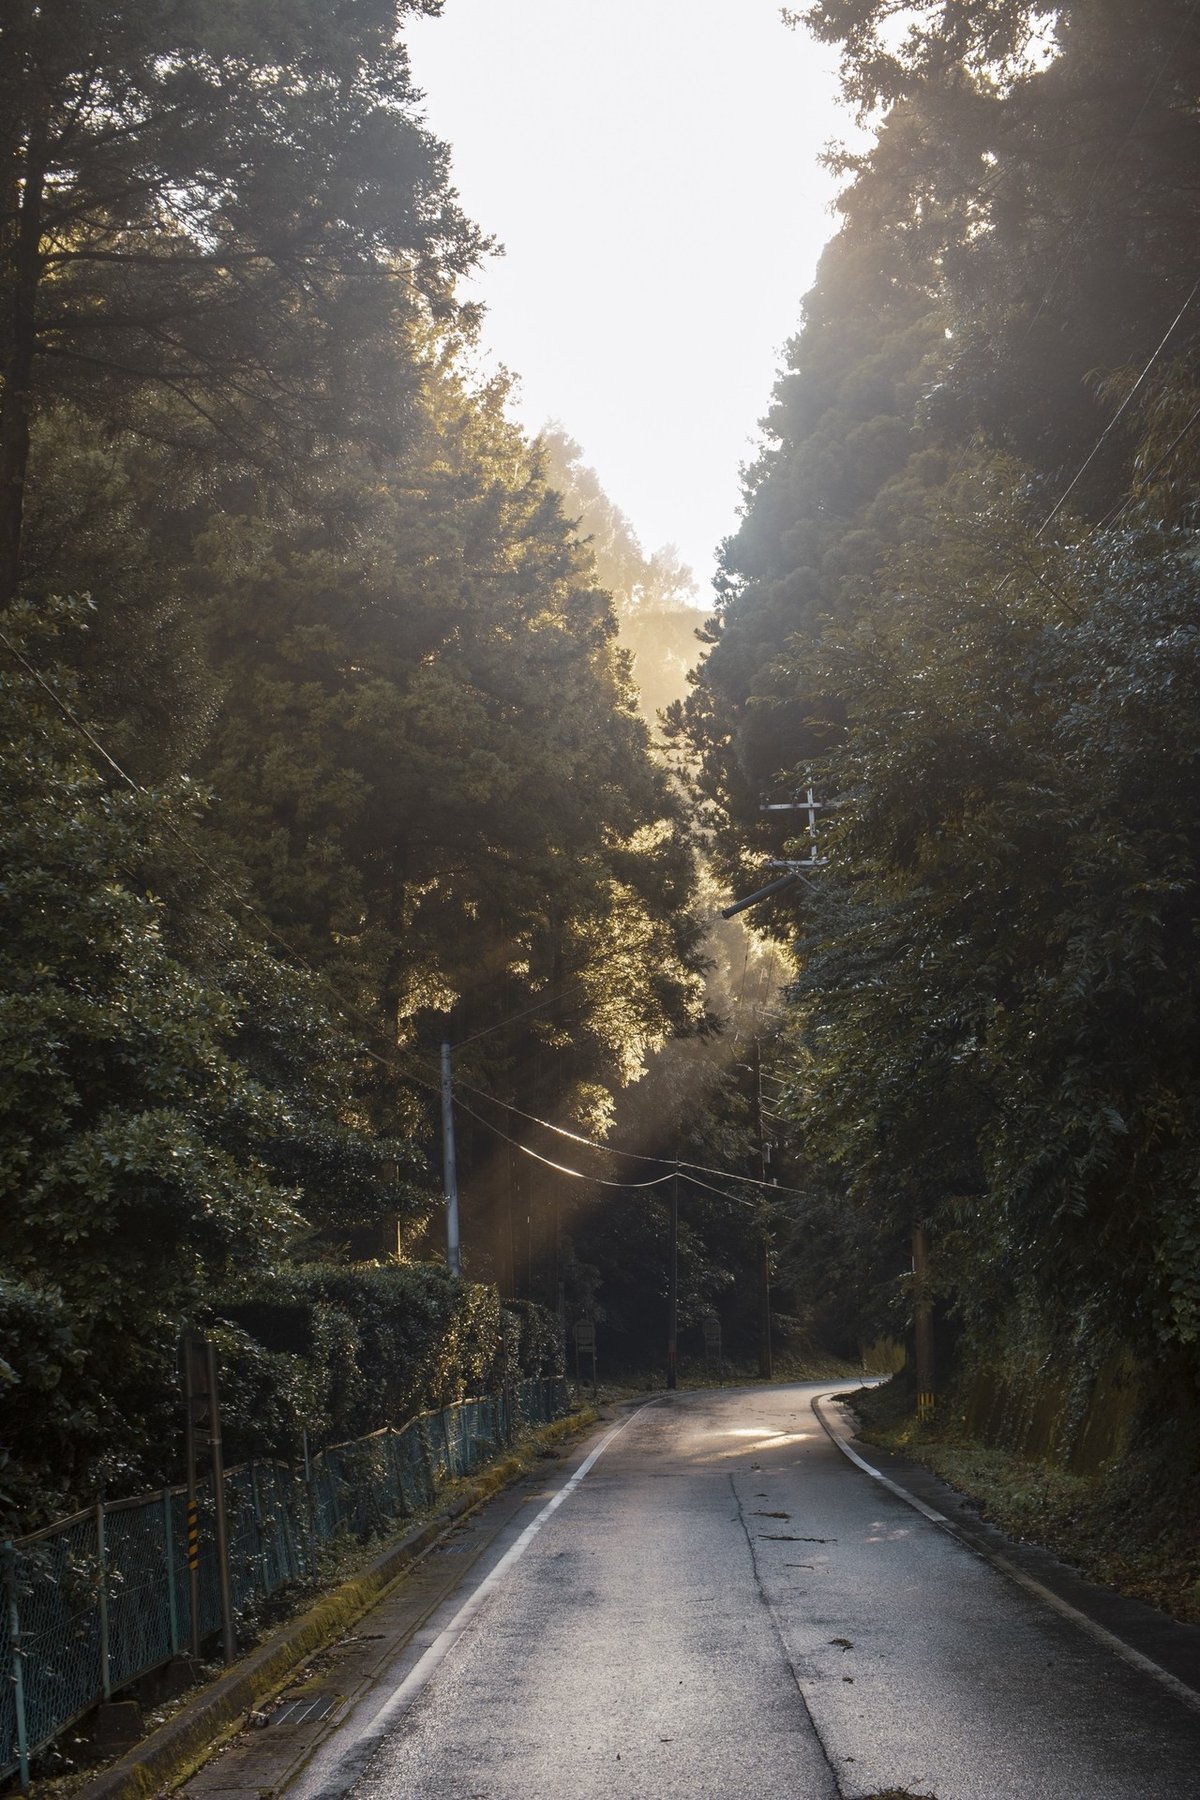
column 1003, row 1556
column 173, row 1753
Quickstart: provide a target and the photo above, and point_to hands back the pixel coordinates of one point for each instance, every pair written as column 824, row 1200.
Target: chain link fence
column 94, row 1602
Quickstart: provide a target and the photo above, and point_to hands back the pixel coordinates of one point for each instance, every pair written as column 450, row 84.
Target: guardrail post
column 102, row 1564
column 295, row 1566
column 169, row 1556
column 18, row 1660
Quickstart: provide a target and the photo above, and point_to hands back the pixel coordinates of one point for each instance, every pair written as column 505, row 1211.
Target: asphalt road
column 724, row 1606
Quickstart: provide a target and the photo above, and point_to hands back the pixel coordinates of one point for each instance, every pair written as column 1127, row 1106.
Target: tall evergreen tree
column 218, row 204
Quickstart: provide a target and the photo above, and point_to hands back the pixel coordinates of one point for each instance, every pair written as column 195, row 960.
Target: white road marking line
column 420, row 1674
column 847, row 1449
column 1030, row 1583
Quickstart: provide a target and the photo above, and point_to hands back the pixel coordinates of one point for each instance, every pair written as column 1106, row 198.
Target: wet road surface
column 724, row 1606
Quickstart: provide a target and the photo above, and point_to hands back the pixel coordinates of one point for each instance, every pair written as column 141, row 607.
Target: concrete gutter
column 173, row 1753
column 1161, row 1647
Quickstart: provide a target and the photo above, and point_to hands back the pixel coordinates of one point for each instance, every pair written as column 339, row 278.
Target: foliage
column 999, row 998
column 657, row 620
column 389, row 782
column 1130, row 1523
column 637, row 582
column 218, row 208
column 168, row 1107
column 827, row 497
column 962, row 592
column 384, row 1342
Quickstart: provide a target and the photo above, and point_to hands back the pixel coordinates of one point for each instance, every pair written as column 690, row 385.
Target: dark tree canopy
column 961, row 593
column 216, row 203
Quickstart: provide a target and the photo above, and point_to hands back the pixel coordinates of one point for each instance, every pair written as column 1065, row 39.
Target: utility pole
column 766, row 1361
column 202, row 1414
column 450, row 1166
column 922, row 1324
column 220, row 1522
column 794, row 868
column 673, row 1287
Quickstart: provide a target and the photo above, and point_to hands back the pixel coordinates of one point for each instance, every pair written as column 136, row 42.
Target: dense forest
column 323, row 745
column 963, row 599
column 318, row 744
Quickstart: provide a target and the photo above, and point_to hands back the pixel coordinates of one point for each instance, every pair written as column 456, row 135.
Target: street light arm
column 763, row 893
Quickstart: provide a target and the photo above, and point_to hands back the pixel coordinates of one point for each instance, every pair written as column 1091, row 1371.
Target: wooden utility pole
column 673, row 1287
column 766, row 1360
column 450, row 1166
column 922, row 1324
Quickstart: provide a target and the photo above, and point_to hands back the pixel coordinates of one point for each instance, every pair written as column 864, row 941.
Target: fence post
column 309, row 1507
column 169, row 1551
column 18, row 1659
column 102, row 1561
column 427, row 1456
column 295, row 1567
column 260, row 1535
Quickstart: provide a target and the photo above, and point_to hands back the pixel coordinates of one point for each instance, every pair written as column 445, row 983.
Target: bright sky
column 651, row 168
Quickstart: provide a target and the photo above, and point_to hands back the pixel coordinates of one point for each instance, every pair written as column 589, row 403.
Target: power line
column 733, row 1199
column 560, row 1130
column 546, row 1000
column 561, row 1168
column 1098, row 445
column 612, row 1149
column 1111, row 518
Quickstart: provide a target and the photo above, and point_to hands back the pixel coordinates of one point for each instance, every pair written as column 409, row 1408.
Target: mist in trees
column 655, row 596
column 319, row 745
column 328, row 726
column 963, row 595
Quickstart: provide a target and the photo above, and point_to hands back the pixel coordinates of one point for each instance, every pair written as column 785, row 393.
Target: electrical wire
column 733, row 1199
column 1098, row 445
column 546, row 1000
column 559, row 1130
column 1117, row 512
column 611, row 1149
column 562, row 1169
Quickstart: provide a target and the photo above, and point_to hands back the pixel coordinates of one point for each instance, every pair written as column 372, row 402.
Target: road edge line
column 169, row 1756
column 423, row 1670
column 1100, row 1633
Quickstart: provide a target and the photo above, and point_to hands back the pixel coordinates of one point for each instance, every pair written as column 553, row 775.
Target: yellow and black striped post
column 193, row 1402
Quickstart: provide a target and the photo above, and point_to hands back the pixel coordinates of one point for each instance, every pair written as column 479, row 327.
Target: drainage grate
column 307, row 1710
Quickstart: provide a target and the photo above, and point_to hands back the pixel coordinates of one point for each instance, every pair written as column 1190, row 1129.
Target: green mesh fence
column 96, row 1601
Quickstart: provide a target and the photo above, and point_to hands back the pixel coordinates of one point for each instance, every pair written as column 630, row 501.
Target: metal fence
column 94, row 1602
